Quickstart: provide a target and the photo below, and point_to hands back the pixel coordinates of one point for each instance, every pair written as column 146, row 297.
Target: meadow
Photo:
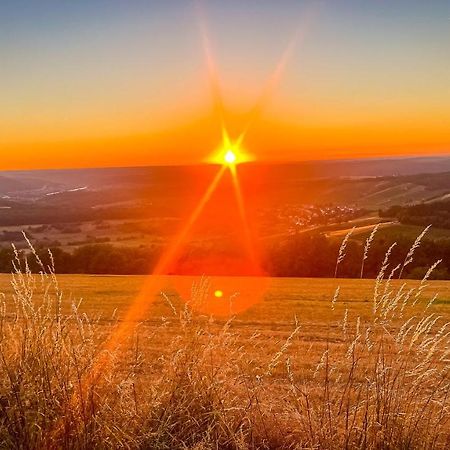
column 307, row 363
column 107, row 298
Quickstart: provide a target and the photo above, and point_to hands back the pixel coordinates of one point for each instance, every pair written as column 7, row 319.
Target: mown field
column 141, row 363
column 275, row 303
column 280, row 300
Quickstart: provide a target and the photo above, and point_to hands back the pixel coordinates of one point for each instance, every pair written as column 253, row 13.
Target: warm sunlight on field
column 280, row 299
column 308, row 352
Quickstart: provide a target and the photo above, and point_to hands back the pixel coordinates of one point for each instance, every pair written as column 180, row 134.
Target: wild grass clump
column 379, row 382
column 44, row 356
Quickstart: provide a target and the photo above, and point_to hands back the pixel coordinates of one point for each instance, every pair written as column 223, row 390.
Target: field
column 302, row 366
column 408, row 231
column 280, row 303
column 309, row 299
column 69, row 236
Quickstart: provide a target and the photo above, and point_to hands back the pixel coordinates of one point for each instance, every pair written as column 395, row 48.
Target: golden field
column 305, row 366
column 281, row 301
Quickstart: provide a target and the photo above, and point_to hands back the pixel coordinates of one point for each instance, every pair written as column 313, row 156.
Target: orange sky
column 86, row 86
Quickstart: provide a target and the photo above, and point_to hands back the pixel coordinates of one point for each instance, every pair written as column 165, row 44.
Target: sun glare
column 230, row 153
column 230, row 157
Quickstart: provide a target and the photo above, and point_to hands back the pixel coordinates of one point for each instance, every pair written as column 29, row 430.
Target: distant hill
column 10, row 182
column 436, row 213
column 32, row 197
column 101, row 177
column 91, row 217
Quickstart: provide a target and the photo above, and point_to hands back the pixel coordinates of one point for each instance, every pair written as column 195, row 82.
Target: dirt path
column 360, row 230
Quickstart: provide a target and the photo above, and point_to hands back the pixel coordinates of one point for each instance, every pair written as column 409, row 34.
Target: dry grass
column 379, row 381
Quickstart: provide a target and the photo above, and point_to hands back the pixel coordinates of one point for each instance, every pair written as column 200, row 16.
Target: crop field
column 177, row 362
column 70, row 236
column 271, row 307
column 278, row 304
column 309, row 299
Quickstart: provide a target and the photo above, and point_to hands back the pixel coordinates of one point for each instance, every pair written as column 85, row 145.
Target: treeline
column 302, row 255
column 313, row 255
column 437, row 213
column 88, row 259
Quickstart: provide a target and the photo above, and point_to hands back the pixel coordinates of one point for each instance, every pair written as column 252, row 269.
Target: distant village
column 293, row 218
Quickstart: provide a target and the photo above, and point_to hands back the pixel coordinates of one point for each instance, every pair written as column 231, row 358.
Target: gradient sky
column 113, row 83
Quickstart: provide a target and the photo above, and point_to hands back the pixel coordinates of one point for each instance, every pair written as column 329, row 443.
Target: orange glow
column 144, row 300
column 249, row 241
column 316, row 118
column 236, row 295
column 172, row 252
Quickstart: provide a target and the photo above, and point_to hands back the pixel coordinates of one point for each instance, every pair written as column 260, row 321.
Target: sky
column 114, row 83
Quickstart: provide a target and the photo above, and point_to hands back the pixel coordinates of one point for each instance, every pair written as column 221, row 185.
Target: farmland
column 121, row 221
column 308, row 298
column 289, row 370
column 181, row 361
column 280, row 302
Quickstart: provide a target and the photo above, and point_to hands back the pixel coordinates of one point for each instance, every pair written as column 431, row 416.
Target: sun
column 230, row 157
column 230, row 153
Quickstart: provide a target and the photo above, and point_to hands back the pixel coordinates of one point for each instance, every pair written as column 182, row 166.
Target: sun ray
column 231, row 155
column 171, row 253
column 142, row 302
column 211, row 66
column 275, row 77
column 248, row 236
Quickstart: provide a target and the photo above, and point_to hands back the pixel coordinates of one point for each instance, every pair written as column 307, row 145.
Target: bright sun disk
column 230, row 157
